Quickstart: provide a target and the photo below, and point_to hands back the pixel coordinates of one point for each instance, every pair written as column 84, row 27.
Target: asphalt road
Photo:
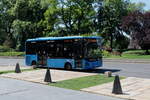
column 141, row 70
column 11, row 89
column 11, row 62
column 123, row 69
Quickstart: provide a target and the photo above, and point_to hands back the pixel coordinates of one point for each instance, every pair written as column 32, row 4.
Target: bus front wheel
column 68, row 66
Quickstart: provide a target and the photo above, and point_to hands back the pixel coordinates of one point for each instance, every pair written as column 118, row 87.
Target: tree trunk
column 147, row 52
column 111, row 42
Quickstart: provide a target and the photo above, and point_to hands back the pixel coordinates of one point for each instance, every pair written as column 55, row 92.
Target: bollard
column 48, row 76
column 108, row 73
column 17, row 69
column 34, row 66
column 117, row 86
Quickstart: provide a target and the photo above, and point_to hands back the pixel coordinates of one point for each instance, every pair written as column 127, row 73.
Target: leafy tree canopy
column 23, row 19
column 138, row 23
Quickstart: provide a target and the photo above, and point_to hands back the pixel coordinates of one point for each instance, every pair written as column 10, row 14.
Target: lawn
column 83, row 82
column 131, row 54
column 12, row 53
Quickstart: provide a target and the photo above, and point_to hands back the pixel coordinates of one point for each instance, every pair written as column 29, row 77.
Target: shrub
column 96, row 53
column 12, row 53
column 141, row 52
column 105, row 53
column 5, row 49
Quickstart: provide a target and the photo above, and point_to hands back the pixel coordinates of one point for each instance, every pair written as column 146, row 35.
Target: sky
column 147, row 3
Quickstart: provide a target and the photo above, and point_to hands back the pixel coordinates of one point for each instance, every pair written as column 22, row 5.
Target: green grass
column 131, row 54
column 13, row 71
column 83, row 82
column 12, row 53
column 134, row 52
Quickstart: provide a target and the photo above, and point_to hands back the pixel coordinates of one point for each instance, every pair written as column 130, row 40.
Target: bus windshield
column 92, row 44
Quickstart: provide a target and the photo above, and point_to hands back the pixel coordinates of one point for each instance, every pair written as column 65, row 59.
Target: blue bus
column 69, row 52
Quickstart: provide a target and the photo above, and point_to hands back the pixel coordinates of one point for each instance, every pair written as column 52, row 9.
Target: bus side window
column 68, row 52
column 55, row 49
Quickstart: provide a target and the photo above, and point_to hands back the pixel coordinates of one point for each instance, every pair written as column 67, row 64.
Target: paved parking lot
column 133, row 89
column 38, row 75
column 11, row 89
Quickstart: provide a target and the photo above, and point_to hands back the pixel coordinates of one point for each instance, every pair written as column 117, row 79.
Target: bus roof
column 63, row 38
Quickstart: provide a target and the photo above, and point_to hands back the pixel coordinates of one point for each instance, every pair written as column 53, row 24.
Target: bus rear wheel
column 68, row 66
column 34, row 65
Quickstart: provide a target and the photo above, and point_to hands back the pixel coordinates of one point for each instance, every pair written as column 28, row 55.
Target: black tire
column 33, row 63
column 34, row 66
column 68, row 66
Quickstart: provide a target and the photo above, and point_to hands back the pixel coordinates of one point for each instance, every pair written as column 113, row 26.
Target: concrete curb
column 127, row 60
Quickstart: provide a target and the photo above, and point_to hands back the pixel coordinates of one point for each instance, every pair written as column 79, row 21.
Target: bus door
column 78, row 53
column 42, row 54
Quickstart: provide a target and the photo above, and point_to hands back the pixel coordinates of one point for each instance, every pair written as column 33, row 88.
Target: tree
column 109, row 18
column 6, row 20
column 20, row 20
column 145, row 41
column 72, row 17
column 23, row 19
column 138, row 24
column 51, row 18
column 28, row 16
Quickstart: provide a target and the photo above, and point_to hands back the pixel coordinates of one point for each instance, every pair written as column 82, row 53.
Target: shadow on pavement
column 101, row 70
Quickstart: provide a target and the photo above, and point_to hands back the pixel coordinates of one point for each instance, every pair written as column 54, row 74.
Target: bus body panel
column 59, row 63
column 30, row 58
column 91, row 64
